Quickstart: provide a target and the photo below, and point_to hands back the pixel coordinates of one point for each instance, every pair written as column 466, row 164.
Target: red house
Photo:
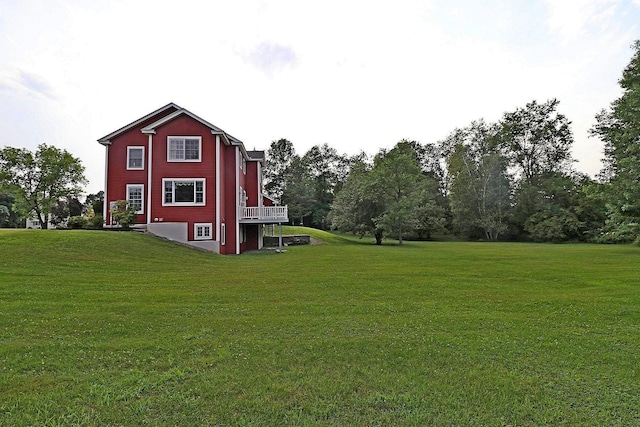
column 190, row 181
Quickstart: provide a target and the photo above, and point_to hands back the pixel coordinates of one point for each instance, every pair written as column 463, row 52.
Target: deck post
column 280, row 239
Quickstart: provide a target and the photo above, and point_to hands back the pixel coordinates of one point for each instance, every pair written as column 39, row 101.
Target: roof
column 256, row 155
column 173, row 112
column 105, row 140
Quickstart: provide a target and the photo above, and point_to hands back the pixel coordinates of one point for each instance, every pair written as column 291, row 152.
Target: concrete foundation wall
column 177, row 232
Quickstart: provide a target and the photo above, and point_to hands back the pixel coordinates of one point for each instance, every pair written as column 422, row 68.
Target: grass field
column 109, row 329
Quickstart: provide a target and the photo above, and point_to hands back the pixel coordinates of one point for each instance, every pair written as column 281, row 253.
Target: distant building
column 34, row 223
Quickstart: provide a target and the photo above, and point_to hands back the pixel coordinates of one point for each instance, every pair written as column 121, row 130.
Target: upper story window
column 184, row 149
column 183, row 192
column 135, row 158
column 244, row 166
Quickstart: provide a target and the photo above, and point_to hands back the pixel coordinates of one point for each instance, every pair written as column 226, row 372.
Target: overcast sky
column 358, row 75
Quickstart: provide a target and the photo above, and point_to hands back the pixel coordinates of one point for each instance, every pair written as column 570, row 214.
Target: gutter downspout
column 237, row 201
column 218, row 220
column 149, row 163
column 105, row 203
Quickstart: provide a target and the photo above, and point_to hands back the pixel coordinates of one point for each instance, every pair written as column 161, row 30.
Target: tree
column 280, row 156
column 619, row 128
column 397, row 178
column 38, row 180
column 14, row 219
column 65, row 208
column 94, row 202
column 357, row 204
column 298, row 191
column 4, row 215
column 537, row 139
column 432, row 212
column 326, row 169
column 478, row 180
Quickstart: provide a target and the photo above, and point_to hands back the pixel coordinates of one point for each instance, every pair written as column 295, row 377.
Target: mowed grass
column 111, row 329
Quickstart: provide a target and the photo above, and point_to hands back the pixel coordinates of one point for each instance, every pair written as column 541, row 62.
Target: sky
column 357, row 75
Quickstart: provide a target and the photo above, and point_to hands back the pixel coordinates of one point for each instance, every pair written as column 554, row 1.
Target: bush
column 76, row 222
column 95, row 222
column 124, row 214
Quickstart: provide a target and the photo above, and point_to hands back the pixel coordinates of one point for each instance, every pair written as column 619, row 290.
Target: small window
column 184, row 148
column 135, row 158
column 244, row 166
column 135, row 195
column 183, row 192
column 223, row 234
column 202, row 231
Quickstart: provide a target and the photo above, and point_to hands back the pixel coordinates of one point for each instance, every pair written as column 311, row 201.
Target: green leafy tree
column 38, row 180
column 392, row 197
column 357, row 204
column 619, row 128
column 298, row 191
column 94, row 202
column 4, row 215
column 326, row 170
column 478, row 180
column 537, row 139
column 14, row 219
column 397, row 177
column 280, row 156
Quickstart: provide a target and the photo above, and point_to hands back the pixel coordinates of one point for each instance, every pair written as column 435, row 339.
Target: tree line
column 509, row 180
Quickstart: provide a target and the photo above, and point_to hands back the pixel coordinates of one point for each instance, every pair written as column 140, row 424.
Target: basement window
column 202, row 231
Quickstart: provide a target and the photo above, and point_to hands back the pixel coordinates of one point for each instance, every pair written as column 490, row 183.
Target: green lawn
column 109, row 329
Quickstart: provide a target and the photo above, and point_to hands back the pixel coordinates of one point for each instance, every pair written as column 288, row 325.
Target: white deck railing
column 265, row 213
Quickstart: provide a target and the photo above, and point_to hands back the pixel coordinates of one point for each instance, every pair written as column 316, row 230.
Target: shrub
column 124, row 214
column 95, row 222
column 76, row 222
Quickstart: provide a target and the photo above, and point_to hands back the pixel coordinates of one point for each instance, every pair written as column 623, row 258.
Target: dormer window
column 184, row 149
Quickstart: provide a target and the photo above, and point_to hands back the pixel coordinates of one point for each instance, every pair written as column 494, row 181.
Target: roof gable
column 172, row 111
column 106, row 140
column 182, row 111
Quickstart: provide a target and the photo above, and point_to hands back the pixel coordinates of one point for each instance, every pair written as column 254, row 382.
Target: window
column 184, row 148
column 242, row 197
column 183, row 192
column 135, row 158
column 244, row 166
column 135, row 197
column 223, row 234
column 202, row 231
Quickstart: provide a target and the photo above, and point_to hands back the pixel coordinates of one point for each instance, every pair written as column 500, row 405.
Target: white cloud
column 271, row 57
column 572, row 19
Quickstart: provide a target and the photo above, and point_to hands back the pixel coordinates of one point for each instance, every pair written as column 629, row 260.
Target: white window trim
column 204, row 192
column 208, row 225
column 137, row 147
column 141, row 211
column 169, row 159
